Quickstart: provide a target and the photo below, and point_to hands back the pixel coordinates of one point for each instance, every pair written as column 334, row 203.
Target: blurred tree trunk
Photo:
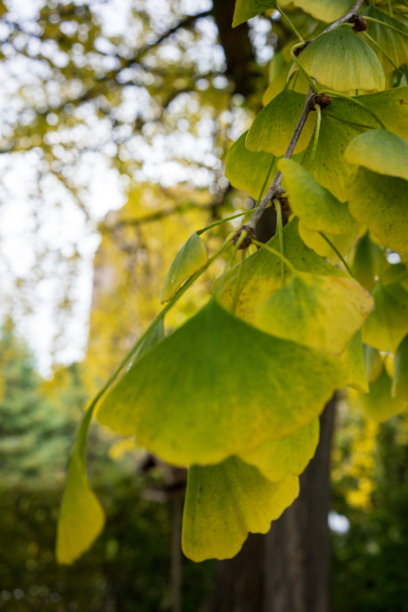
column 288, row 569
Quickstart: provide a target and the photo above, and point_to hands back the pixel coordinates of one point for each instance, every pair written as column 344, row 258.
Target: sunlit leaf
column 317, row 208
column 342, row 242
column 273, row 127
column 190, row 258
column 378, row 404
column 225, row 502
column 246, row 9
column 248, row 170
column 388, row 323
column 380, row 151
column 342, row 61
column 322, row 312
column 324, row 10
column 277, row 459
column 381, row 203
column 216, row 387
column 354, row 364
column 400, row 380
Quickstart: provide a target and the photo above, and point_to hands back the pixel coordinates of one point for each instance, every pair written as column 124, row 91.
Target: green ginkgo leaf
column 298, row 82
column 277, row 459
column 81, row 516
column 321, row 312
column 342, row 61
column 324, row 10
column 354, row 364
column 400, row 380
column 225, row 502
column 261, row 273
column 380, row 151
column 394, row 45
column 246, row 9
column 343, row 243
column 373, row 363
column 391, row 105
column 388, row 323
column 217, row 387
column 190, row 258
column 367, row 262
column 249, row 171
column 378, row 404
column 381, row 203
column 317, row 208
column 273, row 127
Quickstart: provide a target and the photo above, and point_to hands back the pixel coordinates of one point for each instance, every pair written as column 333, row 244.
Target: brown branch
column 346, row 18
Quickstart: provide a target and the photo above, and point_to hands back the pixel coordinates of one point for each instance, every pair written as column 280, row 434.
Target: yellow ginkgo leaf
column 388, row 323
column 380, row 151
column 324, row 10
column 354, row 365
column 225, row 502
column 378, row 404
column 314, row 240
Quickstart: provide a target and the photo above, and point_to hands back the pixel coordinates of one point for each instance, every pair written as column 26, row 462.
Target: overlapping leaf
column 190, row 258
column 226, row 501
column 249, row 170
column 367, row 262
column 277, row 459
column 217, row 387
column 394, row 45
column 273, row 127
column 388, row 323
column 342, row 61
column 324, row 10
column 246, row 9
column 314, row 240
column 373, row 363
column 354, row 364
column 400, row 380
column 380, row 151
column 378, row 404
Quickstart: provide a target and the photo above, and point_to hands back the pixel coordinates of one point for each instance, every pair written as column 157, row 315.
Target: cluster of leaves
column 235, row 393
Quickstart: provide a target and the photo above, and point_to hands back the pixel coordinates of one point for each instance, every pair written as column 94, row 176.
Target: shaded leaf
column 216, row 387
column 226, row 501
column 342, row 242
column 373, row 363
column 354, row 364
column 392, row 43
column 400, row 380
column 273, row 127
column 367, row 262
column 378, row 403
column 380, row 151
column 246, row 9
column 277, row 459
column 190, row 258
column 248, row 170
column 388, row 323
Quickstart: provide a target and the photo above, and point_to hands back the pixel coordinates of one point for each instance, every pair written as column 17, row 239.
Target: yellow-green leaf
column 381, row 203
column 252, row 172
column 216, row 387
column 378, row 404
column 388, row 323
column 314, row 240
column 400, row 380
column 393, row 44
column 373, row 363
column 354, row 366
column 342, row 61
column 190, row 258
column 246, row 9
column 322, row 312
column 380, row 151
column 324, row 10
column 317, row 208
column 367, row 262
column 277, row 459
column 273, row 127
column 225, row 502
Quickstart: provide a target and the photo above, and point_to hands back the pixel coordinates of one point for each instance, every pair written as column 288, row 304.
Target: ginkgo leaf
column 261, row 273
column 216, row 387
column 298, row 82
column 323, row 10
column 273, row 127
column 248, row 170
column 314, row 240
column 225, row 502
column 317, row 208
column 391, row 105
column 342, row 61
column 373, row 363
column 367, row 261
column 400, row 379
column 381, row 203
column 354, row 364
column 378, row 404
column 277, row 459
column 380, row 151
column 190, row 258
column 321, row 312
column 81, row 516
column 246, row 9
column 394, row 45
column 388, row 323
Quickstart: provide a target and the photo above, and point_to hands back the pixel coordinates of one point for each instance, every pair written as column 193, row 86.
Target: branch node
column 300, row 48
column 360, row 24
column 250, row 235
column 321, row 100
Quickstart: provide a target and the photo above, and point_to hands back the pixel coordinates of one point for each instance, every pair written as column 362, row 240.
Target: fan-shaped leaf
column 380, row 151
column 381, row 203
column 314, row 240
column 388, row 323
column 373, row 363
column 217, row 387
column 368, row 258
column 392, row 43
column 246, row 9
column 226, row 501
column 322, row 312
column 277, row 459
column 248, row 170
column 378, row 403
column 342, row 61
column 324, row 10
column 273, row 127
column 354, row 365
column 190, row 258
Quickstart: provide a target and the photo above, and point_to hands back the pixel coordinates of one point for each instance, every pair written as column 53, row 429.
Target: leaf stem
column 279, row 225
column 339, row 255
column 336, row 94
column 291, row 25
column 277, row 254
column 221, row 221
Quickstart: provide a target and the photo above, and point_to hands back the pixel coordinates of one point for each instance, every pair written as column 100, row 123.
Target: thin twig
column 346, row 18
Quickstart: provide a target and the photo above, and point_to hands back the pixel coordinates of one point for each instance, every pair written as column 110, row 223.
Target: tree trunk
column 288, row 569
